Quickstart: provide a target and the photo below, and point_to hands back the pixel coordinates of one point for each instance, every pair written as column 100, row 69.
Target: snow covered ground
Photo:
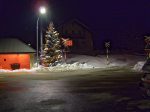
column 76, row 62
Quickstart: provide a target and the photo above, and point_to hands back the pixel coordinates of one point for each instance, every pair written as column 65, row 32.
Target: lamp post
column 42, row 11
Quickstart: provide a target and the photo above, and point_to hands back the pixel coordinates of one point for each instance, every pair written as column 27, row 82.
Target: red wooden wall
column 7, row 59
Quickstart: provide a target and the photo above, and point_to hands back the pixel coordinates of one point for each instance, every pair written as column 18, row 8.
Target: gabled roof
column 76, row 21
column 80, row 23
column 11, row 45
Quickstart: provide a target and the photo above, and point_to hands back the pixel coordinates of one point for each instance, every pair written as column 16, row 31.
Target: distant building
column 15, row 54
column 79, row 34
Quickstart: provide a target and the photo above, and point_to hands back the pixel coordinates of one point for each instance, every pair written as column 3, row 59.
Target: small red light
column 69, row 43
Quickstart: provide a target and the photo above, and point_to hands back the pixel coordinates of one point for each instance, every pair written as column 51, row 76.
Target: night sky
column 123, row 22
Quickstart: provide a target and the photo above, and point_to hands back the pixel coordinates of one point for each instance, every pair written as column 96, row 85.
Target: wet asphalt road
column 94, row 91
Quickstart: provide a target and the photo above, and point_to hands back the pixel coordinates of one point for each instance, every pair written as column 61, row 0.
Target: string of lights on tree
column 52, row 54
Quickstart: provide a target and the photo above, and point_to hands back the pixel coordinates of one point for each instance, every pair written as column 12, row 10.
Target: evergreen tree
column 52, row 54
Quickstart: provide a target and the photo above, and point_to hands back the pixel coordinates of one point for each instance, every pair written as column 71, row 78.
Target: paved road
column 94, row 91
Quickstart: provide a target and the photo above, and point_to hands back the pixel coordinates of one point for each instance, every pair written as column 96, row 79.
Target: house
column 79, row 34
column 14, row 54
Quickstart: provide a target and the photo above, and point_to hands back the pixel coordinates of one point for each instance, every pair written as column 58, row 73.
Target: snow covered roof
column 11, row 45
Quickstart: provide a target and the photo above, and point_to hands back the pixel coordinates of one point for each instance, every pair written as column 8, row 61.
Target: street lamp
column 42, row 10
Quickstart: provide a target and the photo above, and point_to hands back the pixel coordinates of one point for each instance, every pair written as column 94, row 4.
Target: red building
column 15, row 54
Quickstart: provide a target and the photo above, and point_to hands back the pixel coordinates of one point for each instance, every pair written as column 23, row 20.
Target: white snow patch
column 11, row 71
column 138, row 66
column 64, row 67
column 96, row 62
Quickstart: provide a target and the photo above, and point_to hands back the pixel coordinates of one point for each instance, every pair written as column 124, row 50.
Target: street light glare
column 42, row 10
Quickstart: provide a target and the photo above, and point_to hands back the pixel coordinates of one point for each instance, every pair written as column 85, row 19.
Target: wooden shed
column 14, row 54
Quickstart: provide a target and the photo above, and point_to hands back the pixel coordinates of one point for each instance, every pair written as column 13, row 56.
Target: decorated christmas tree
column 52, row 53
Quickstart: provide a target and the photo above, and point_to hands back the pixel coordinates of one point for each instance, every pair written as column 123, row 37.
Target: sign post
column 67, row 43
column 107, row 45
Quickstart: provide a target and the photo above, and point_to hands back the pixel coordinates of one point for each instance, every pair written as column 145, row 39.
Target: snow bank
column 63, row 67
column 59, row 67
column 138, row 66
column 101, row 62
column 96, row 62
column 76, row 62
column 11, row 71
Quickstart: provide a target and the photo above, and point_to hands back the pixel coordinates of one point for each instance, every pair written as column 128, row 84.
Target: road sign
column 69, row 43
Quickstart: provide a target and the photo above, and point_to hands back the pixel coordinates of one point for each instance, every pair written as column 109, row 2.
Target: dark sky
column 114, row 20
